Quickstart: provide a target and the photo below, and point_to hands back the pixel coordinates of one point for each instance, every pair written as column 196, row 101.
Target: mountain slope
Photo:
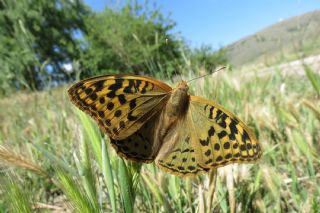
column 294, row 36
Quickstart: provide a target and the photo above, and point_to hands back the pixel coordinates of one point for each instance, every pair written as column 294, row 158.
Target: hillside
column 286, row 40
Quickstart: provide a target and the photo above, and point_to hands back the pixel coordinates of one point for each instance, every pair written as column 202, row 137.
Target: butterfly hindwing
column 120, row 104
column 178, row 153
column 140, row 146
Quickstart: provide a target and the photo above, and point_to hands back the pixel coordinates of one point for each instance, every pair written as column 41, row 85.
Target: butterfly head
column 182, row 86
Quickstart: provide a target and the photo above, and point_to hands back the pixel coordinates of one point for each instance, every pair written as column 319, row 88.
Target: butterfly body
column 148, row 121
column 179, row 100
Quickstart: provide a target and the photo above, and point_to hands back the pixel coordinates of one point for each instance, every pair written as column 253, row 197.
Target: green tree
column 37, row 38
column 207, row 58
column 132, row 39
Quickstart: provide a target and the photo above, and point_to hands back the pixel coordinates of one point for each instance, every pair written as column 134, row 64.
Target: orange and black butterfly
column 148, row 121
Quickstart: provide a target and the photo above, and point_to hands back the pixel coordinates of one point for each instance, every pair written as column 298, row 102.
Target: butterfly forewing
column 120, row 104
column 222, row 138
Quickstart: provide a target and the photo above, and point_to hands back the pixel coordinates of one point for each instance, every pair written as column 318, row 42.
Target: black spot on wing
column 233, row 126
column 107, row 122
column 228, row 156
column 144, row 89
column 131, row 117
column 186, row 150
column 117, row 113
column 88, row 91
column 235, row 145
column 93, row 96
column 114, row 87
column 191, row 168
column 226, row 145
column 117, row 85
column 101, row 113
column 211, row 131
column 102, row 100
column 204, row 142
column 133, row 104
column 245, row 136
column 218, row 115
column 208, row 161
column 211, row 112
column 222, row 134
column 217, row 146
column 98, row 85
column 111, row 94
column 137, row 85
column 110, row 106
column 232, row 137
column 208, row 152
column 219, row 158
column 129, row 88
column 180, row 167
column 222, row 120
column 122, row 99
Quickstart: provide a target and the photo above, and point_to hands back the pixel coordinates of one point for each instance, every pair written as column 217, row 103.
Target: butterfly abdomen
column 176, row 109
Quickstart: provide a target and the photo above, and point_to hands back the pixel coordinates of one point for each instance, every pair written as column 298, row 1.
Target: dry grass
column 282, row 111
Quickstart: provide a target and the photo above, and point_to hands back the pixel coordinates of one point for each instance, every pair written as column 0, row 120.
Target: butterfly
column 148, row 121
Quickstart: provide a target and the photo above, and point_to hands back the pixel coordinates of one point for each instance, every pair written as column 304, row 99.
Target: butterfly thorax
column 179, row 100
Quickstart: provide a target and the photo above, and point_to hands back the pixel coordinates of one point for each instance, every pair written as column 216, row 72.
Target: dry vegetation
column 52, row 156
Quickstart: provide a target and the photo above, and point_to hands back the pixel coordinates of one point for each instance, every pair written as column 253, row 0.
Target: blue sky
column 221, row 22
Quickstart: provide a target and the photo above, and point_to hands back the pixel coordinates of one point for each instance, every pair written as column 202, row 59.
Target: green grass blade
column 108, row 175
column 88, row 177
column 91, row 134
column 18, row 200
column 125, row 183
column 75, row 193
column 313, row 77
column 100, row 153
column 55, row 160
column 155, row 190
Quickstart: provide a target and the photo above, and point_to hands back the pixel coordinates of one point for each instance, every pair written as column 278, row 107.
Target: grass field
column 53, row 158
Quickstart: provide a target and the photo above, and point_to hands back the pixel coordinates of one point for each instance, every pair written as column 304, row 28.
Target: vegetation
column 36, row 39
column 54, row 158
column 69, row 164
column 134, row 39
column 46, row 44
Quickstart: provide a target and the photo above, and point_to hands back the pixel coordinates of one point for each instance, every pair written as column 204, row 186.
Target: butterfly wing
column 208, row 137
column 224, row 137
column 178, row 153
column 120, row 104
column 141, row 146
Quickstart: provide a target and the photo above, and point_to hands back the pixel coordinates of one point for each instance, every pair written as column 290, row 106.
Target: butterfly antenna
column 217, row 70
